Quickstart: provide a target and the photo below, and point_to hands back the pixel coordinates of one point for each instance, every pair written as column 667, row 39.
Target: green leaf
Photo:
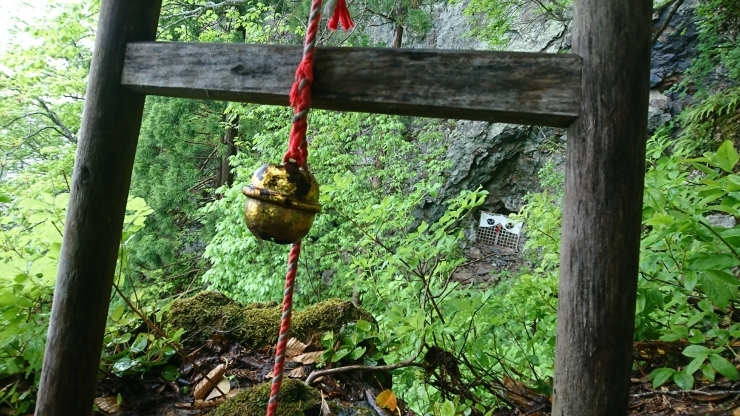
column 357, row 353
column 696, row 351
column 5, row 198
column 723, row 366
column 723, row 276
column 139, row 345
column 364, row 325
column 726, row 156
column 7, row 299
column 717, row 289
column 170, row 373
column 683, row 380
column 340, row 353
column 708, row 372
column 117, row 313
column 705, row 261
column 447, row 409
column 695, row 364
column 660, row 376
column 123, row 364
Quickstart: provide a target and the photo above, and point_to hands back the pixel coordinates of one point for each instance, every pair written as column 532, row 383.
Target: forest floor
column 236, row 370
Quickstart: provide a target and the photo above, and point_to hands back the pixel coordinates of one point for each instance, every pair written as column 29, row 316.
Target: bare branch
column 57, row 121
column 667, row 21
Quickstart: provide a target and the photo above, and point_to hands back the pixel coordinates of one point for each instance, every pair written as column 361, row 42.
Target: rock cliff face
column 505, row 159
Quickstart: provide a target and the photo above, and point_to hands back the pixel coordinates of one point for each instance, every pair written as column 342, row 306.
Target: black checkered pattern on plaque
column 502, row 238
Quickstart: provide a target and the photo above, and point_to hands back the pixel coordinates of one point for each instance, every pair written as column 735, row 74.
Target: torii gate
column 600, row 91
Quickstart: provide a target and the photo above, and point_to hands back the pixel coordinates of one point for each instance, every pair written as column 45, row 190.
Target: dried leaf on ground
column 308, row 357
column 108, row 404
column 325, row 410
column 208, row 383
column 519, row 394
column 386, row 399
column 243, row 373
column 224, row 386
column 294, row 348
column 298, row 372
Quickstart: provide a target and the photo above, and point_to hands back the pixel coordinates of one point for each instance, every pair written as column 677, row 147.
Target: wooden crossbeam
column 509, row 87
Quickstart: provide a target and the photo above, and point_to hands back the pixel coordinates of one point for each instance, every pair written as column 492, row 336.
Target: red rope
column 300, row 93
column 277, row 370
column 300, row 99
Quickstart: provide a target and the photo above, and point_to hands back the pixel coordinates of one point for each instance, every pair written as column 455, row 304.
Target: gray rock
column 484, row 269
column 721, row 220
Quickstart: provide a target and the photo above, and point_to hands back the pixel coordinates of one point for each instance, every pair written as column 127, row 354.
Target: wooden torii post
column 600, row 91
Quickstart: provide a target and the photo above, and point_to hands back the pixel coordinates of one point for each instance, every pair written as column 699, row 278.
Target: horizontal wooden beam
column 508, row 87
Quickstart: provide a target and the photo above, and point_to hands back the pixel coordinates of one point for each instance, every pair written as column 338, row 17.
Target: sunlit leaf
column 387, row 400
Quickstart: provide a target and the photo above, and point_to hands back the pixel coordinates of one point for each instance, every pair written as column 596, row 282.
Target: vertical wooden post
column 102, row 175
column 602, row 209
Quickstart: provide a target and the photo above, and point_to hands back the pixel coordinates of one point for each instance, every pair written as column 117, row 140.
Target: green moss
column 256, row 325
column 330, row 315
column 296, row 399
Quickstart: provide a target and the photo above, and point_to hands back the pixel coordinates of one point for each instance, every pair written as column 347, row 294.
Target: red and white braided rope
column 300, row 99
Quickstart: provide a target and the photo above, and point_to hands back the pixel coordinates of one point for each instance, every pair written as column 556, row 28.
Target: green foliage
column 178, row 156
column 687, row 264
column 42, row 86
column 372, row 158
column 353, row 344
column 712, row 79
column 128, row 351
column 688, row 284
column 30, row 242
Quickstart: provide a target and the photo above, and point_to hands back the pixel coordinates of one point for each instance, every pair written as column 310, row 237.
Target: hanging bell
column 282, row 201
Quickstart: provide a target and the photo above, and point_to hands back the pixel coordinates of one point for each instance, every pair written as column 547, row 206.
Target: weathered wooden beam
column 102, row 174
column 524, row 88
column 602, row 209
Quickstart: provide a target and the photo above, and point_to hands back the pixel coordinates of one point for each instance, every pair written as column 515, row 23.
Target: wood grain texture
column 105, row 154
column 602, row 209
column 524, row 88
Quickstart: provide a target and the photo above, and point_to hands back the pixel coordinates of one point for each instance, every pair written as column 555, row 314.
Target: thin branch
column 667, row 21
column 35, row 113
column 682, row 392
column 57, row 121
column 164, row 337
column 407, row 363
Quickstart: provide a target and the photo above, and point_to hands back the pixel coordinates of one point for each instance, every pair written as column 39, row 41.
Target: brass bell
column 282, row 201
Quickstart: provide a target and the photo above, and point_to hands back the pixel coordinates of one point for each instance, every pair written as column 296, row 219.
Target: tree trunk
column 100, row 184
column 602, row 209
column 225, row 176
column 397, row 36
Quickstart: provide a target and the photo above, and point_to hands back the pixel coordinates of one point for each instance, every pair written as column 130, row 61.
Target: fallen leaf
column 208, row 383
column 108, row 404
column 243, row 373
column 308, row 357
column 298, row 372
column 325, row 410
column 203, row 404
column 736, row 412
column 294, row 348
column 519, row 394
column 223, row 389
column 386, row 399
column 712, row 398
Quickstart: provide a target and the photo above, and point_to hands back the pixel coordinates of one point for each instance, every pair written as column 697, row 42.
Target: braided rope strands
column 300, row 94
column 300, row 100
column 277, row 370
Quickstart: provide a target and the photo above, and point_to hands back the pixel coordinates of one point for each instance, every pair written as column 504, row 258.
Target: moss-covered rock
column 296, row 399
column 256, row 325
